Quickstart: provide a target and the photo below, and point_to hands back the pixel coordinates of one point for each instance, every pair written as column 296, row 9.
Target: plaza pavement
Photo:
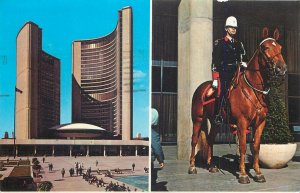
column 175, row 177
column 77, row 183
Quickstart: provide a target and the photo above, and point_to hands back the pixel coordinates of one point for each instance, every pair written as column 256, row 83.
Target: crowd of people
column 93, row 179
column 116, row 187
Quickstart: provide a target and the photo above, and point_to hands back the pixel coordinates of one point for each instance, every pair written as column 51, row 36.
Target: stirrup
column 218, row 120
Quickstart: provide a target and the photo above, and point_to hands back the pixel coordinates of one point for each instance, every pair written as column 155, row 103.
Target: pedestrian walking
column 63, row 172
column 133, row 166
column 96, row 163
column 156, row 149
column 44, row 159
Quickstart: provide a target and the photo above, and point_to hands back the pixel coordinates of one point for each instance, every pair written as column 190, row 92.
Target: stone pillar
column 104, row 151
column 70, row 151
column 53, row 151
column 136, row 151
column 120, row 150
column 195, row 31
column 87, row 151
column 16, row 150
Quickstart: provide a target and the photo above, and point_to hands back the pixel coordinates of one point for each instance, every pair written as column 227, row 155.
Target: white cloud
column 138, row 74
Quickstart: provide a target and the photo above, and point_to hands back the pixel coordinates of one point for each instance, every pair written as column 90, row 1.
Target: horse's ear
column 265, row 32
column 276, row 34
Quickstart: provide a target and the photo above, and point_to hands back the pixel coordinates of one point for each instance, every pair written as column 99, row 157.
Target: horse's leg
column 211, row 138
column 195, row 138
column 243, row 177
column 256, row 146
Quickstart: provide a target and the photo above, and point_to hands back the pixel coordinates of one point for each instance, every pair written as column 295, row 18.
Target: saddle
column 212, row 96
column 234, row 82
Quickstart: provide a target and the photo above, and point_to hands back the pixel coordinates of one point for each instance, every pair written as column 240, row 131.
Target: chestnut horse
column 246, row 104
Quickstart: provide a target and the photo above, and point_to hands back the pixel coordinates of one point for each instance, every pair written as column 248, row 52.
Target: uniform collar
column 227, row 39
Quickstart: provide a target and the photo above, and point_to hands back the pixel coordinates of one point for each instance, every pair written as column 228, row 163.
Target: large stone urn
column 275, row 156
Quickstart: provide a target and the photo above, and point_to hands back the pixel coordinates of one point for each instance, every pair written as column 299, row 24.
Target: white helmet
column 231, row 22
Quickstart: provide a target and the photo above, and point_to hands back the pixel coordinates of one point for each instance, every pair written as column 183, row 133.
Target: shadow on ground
column 160, row 186
column 157, row 186
column 296, row 159
column 228, row 162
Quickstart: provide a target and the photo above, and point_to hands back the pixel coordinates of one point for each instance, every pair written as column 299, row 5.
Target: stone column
column 87, row 151
column 70, row 151
column 53, row 151
column 104, row 151
column 120, row 150
column 136, row 151
column 16, row 150
column 194, row 63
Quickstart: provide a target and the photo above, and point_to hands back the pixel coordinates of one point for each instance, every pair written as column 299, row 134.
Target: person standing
column 63, row 172
column 133, row 166
column 227, row 55
column 156, row 149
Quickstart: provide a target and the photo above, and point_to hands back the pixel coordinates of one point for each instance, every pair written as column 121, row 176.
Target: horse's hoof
column 213, row 169
column 192, row 170
column 259, row 178
column 244, row 180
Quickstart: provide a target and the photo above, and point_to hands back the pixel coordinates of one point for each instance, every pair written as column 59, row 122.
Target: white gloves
column 215, row 84
column 243, row 64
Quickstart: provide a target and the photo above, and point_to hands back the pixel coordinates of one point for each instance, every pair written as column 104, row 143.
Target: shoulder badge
column 216, row 42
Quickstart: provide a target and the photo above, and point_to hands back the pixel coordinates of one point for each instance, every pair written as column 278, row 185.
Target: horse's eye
column 265, row 48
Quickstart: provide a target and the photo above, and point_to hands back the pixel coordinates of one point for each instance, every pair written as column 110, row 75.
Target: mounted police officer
column 227, row 54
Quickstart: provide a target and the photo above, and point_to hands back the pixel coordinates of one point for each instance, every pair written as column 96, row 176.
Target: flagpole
column 15, row 124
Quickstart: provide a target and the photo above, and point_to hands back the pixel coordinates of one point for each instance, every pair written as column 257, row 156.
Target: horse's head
column 270, row 50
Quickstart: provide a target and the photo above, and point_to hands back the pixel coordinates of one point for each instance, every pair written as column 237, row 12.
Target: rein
column 265, row 92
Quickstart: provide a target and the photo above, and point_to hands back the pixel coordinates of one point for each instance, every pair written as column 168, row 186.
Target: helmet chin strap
column 231, row 35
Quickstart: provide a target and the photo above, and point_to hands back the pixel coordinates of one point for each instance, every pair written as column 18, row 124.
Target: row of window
column 101, row 43
column 98, row 67
column 100, row 73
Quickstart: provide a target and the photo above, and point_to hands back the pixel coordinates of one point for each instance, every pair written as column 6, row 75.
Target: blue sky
column 63, row 21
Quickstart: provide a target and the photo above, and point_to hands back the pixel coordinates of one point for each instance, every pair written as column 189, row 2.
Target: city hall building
column 37, row 85
column 101, row 97
column 102, row 79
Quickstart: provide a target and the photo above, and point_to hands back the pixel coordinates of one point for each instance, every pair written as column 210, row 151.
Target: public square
column 77, row 183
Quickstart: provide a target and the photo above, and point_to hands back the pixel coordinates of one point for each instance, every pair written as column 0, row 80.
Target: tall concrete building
column 102, row 79
column 38, row 77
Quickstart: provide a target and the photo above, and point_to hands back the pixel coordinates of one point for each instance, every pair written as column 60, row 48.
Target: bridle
column 270, row 64
column 269, row 60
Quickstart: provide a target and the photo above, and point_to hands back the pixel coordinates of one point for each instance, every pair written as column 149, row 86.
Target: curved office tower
column 102, row 79
column 38, row 83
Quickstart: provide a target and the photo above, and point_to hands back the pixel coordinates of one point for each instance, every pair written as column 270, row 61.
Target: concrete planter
column 275, row 156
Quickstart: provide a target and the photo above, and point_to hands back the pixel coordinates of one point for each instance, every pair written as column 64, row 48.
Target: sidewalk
column 175, row 177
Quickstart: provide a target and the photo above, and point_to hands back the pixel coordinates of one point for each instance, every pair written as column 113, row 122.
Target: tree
column 45, row 186
column 277, row 126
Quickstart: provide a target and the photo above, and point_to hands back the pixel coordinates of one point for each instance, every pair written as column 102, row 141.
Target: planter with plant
column 277, row 147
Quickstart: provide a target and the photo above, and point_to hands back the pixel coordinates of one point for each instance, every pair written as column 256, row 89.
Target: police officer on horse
column 227, row 55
